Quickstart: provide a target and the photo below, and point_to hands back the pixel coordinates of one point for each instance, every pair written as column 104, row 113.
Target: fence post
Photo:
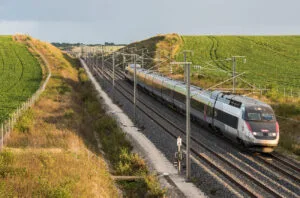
column 11, row 124
column 8, row 126
column 2, row 137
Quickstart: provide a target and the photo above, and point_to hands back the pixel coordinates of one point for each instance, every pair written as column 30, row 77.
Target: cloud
column 18, row 27
column 124, row 21
column 55, row 10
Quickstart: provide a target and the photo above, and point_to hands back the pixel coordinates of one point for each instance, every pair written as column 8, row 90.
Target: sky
column 126, row 21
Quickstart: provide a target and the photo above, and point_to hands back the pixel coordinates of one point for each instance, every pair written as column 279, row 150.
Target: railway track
column 210, row 156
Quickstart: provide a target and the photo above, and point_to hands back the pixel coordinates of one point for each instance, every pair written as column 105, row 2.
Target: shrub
column 25, row 123
column 69, row 113
column 82, row 76
column 154, row 188
column 46, row 189
column 62, row 89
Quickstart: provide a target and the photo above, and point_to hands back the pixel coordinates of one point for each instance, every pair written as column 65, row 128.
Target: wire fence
column 7, row 126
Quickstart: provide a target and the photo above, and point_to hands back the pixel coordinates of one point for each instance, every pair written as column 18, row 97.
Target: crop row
column 270, row 60
column 20, row 75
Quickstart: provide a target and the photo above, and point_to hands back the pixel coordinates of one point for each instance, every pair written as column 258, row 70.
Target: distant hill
column 70, row 46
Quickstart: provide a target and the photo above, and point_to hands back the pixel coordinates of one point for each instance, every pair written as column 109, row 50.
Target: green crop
column 272, row 61
column 20, row 75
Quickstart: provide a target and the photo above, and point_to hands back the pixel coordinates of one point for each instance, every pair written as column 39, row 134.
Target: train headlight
column 274, row 134
column 254, row 133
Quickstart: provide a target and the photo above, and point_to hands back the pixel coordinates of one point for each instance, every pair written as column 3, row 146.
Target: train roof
column 196, row 92
column 238, row 100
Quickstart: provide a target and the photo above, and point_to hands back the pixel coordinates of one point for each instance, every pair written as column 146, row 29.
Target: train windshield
column 257, row 113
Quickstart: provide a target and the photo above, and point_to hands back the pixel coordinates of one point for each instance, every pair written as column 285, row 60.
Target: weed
column 82, row 76
column 69, row 113
column 24, row 125
column 46, row 189
column 6, row 162
column 62, row 89
column 5, row 190
column 154, row 188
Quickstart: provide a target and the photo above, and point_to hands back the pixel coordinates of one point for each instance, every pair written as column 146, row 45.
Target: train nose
column 263, row 130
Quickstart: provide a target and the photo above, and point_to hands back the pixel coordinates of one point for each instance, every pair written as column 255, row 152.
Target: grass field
column 20, row 75
column 271, row 61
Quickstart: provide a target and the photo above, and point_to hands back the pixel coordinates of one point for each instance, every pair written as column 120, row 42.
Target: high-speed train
column 243, row 119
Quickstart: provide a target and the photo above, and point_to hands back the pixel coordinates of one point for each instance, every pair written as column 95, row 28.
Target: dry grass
column 56, row 173
column 49, row 144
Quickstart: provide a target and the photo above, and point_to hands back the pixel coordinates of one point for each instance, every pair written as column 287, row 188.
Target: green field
column 272, row 61
column 20, row 75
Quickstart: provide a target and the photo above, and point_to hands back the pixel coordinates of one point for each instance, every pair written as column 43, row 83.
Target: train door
column 219, row 117
column 231, row 121
column 240, row 130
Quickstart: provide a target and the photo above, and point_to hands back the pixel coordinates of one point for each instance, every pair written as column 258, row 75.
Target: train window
column 179, row 97
column 148, row 81
column 267, row 116
column 209, row 111
column 253, row 116
column 243, row 113
column 256, row 113
column 166, row 91
column 140, row 78
column 157, row 87
column 227, row 119
column 197, row 105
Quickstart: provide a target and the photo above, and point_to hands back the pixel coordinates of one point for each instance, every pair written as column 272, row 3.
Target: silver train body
column 243, row 119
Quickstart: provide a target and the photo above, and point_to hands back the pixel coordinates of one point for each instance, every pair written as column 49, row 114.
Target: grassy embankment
column 20, row 75
column 272, row 63
column 53, row 152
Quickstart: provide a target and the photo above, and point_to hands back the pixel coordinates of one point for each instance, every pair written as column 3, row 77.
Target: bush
column 46, row 189
column 130, row 163
column 82, row 76
column 69, row 113
column 62, row 89
column 154, row 188
column 25, row 123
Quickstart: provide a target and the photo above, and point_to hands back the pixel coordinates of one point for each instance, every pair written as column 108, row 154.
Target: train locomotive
column 243, row 119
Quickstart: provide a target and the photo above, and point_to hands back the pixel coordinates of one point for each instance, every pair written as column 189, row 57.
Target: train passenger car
column 243, row 119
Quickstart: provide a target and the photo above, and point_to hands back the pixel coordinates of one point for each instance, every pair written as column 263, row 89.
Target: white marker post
column 188, row 121
column 179, row 155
